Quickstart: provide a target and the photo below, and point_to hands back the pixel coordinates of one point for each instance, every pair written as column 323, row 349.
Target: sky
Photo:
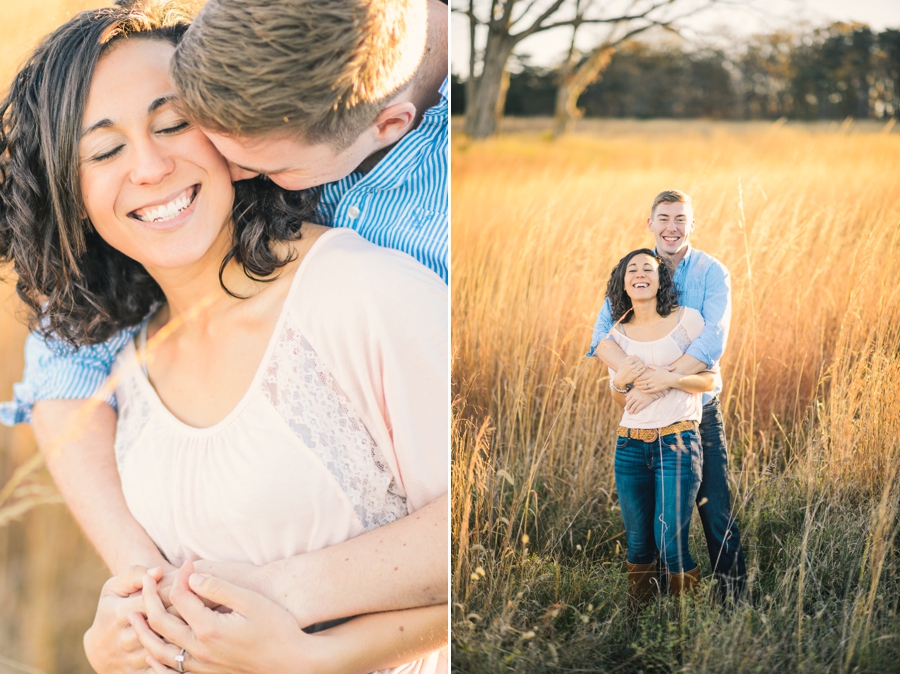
column 747, row 17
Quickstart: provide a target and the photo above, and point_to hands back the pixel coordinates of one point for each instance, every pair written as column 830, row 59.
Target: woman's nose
column 151, row 165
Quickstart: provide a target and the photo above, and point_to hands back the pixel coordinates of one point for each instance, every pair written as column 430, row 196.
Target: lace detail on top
column 134, row 411
column 681, row 337
column 306, row 396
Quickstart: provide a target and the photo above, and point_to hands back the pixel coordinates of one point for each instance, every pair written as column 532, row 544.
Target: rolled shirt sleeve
column 601, row 328
column 716, row 311
column 55, row 370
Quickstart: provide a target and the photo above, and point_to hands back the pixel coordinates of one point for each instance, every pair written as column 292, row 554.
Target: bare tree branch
column 610, row 20
column 512, row 21
column 535, row 26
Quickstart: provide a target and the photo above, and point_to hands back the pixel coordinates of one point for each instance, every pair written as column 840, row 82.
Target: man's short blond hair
column 319, row 69
column 670, row 197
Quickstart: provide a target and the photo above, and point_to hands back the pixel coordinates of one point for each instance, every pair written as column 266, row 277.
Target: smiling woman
column 658, row 459
column 302, row 377
column 154, row 187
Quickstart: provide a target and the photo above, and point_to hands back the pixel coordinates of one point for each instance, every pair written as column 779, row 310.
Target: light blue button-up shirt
column 402, row 203
column 703, row 284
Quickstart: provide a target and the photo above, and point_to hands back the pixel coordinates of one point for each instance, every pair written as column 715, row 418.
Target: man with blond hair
column 348, row 97
column 703, row 284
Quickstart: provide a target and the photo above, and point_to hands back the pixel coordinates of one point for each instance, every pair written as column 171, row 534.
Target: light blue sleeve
column 601, row 328
column 55, row 370
column 716, row 310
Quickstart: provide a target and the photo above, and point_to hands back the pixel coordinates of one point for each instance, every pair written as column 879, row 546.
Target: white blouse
column 344, row 429
column 675, row 405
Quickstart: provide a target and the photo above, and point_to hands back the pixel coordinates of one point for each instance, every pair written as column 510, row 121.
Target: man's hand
column 636, row 400
column 630, row 369
column 245, row 573
column 111, row 644
column 657, row 379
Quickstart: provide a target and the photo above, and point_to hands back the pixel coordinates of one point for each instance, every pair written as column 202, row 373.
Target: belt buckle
column 645, row 434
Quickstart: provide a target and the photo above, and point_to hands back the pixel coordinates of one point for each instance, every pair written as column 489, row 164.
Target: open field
column 808, row 221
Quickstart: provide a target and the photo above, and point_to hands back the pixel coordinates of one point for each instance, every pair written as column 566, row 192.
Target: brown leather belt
column 650, row 434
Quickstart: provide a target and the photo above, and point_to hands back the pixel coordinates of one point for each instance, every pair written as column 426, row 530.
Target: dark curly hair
column 620, row 302
column 75, row 286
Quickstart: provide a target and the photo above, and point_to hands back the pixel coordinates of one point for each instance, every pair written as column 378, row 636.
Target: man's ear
column 394, row 121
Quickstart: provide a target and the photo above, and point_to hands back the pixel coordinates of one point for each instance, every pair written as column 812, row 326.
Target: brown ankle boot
column 640, row 582
column 683, row 582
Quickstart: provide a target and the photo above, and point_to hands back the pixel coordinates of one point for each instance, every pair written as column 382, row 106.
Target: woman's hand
column 636, row 400
column 657, row 379
column 111, row 644
column 256, row 636
column 630, row 369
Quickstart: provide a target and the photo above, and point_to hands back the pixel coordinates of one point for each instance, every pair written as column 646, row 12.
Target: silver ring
column 179, row 660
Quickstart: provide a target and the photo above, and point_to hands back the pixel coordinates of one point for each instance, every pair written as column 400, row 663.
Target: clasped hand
column 657, row 379
column 649, row 382
column 133, row 632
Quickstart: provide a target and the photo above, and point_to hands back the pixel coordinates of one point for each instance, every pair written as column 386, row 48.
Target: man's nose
column 238, row 173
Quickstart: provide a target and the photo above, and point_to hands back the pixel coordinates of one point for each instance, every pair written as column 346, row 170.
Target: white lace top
column 344, row 428
column 675, row 405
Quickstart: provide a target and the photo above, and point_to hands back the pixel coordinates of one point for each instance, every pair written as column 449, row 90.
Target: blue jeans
column 657, row 484
column 726, row 555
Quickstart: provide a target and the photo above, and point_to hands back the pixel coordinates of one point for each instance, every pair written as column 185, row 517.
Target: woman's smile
column 171, row 214
column 168, row 209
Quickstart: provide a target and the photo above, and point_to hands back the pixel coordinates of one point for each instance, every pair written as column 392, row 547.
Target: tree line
column 834, row 72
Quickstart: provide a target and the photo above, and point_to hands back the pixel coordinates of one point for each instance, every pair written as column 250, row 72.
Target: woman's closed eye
column 175, row 128
column 106, row 155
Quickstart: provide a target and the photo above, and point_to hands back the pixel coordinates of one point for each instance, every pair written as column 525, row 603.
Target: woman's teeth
column 166, row 211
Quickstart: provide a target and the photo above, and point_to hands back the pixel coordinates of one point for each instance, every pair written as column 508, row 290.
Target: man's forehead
column 266, row 154
column 670, row 208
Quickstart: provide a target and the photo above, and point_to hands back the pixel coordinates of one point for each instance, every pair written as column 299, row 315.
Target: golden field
column 807, row 219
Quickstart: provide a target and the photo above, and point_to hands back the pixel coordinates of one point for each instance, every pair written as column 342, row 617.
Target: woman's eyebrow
column 153, row 107
column 161, row 101
column 102, row 124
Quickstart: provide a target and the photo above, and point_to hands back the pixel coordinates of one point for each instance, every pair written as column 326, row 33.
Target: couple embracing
column 243, row 217
column 661, row 332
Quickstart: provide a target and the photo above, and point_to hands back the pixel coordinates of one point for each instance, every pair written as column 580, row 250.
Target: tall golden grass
column 807, row 219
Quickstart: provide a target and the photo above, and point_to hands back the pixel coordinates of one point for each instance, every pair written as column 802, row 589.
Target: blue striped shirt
column 401, row 203
column 703, row 284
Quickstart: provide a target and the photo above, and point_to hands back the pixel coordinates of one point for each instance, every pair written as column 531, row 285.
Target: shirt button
column 353, row 212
